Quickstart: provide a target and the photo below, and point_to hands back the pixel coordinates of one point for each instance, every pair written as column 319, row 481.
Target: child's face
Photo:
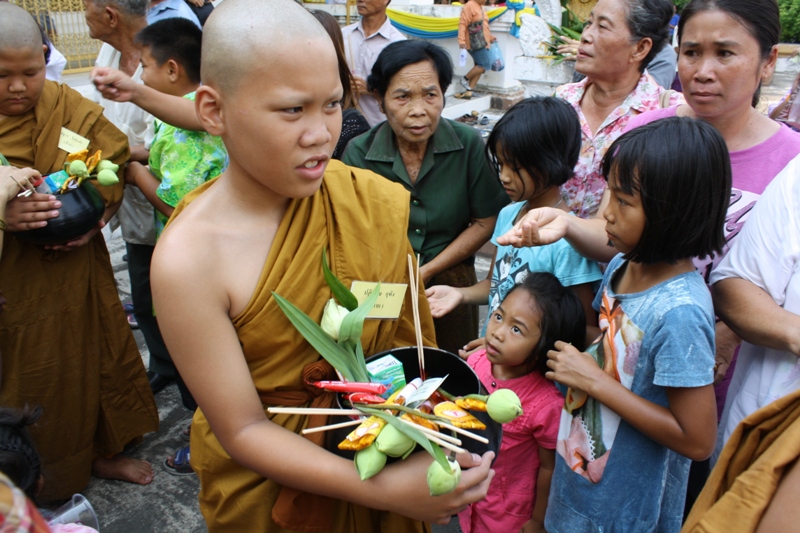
column 281, row 123
column 155, row 76
column 22, row 75
column 624, row 216
column 512, row 332
column 518, row 183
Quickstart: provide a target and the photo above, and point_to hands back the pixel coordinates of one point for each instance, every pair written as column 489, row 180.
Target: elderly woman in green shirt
column 455, row 195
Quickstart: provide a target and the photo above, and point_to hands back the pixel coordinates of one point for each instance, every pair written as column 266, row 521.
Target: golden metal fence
column 66, row 27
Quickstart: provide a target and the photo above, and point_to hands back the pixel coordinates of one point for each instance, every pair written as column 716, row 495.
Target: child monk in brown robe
column 271, row 90
column 64, row 338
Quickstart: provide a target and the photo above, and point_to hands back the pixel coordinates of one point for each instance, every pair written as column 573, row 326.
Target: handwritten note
column 71, row 142
column 390, row 300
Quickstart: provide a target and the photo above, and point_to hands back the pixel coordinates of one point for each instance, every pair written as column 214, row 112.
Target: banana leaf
column 353, row 322
column 342, row 294
column 336, row 355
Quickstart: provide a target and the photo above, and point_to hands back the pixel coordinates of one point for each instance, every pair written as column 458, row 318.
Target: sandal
column 132, row 322
column 180, row 463
column 466, row 95
column 467, row 118
column 186, row 434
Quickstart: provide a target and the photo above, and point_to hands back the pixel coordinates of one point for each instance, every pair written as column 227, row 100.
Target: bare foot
column 123, row 468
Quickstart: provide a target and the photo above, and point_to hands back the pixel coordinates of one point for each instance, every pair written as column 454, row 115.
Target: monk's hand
column 31, row 212
column 573, row 368
column 471, row 347
column 443, row 299
column 81, row 241
column 407, row 493
column 113, row 84
column 198, row 3
column 538, row 227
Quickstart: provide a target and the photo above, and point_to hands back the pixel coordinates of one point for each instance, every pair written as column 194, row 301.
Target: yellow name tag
column 72, row 142
column 390, row 300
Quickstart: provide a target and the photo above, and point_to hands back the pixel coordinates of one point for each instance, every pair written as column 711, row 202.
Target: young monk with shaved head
column 271, row 90
column 64, row 338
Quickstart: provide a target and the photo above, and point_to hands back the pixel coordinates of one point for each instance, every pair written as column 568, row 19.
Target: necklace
column 558, row 203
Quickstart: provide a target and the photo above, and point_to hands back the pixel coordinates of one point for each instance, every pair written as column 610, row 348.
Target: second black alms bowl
column 81, row 209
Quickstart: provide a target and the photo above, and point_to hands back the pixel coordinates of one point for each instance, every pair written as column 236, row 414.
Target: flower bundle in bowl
column 392, row 422
column 82, row 206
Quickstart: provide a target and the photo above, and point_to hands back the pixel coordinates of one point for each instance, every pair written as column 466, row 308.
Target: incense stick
column 428, row 431
column 313, row 411
column 445, row 444
column 412, row 281
column 464, row 432
column 331, row 426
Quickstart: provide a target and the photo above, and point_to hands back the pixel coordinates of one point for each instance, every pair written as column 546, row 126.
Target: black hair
column 761, row 18
column 175, row 38
column 19, row 460
column 401, row 54
column 328, row 21
column 681, row 169
column 649, row 18
column 561, row 316
column 541, row 135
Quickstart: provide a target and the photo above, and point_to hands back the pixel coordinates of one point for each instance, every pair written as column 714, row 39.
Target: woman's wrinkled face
column 606, row 43
column 413, row 103
column 720, row 65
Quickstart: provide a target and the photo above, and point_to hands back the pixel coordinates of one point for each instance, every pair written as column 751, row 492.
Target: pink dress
column 509, row 503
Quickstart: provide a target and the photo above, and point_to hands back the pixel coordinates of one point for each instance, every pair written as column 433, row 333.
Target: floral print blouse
column 584, row 191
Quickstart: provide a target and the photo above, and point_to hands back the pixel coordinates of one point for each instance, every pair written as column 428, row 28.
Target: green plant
column 790, row 20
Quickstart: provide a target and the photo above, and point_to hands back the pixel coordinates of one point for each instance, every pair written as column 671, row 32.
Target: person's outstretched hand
column 31, row 212
column 113, row 84
column 538, row 227
column 443, row 299
column 471, row 347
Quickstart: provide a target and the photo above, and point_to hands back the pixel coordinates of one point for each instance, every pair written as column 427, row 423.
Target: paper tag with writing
column 390, row 301
column 72, row 142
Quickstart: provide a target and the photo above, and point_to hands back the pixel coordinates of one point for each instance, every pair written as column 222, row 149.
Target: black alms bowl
column 80, row 211
column 461, row 380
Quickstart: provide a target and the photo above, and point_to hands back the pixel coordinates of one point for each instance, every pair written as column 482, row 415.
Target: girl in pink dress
column 533, row 316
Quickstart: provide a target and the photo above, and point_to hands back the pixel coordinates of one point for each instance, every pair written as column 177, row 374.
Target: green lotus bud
column 106, row 164
column 440, row 481
column 107, row 177
column 394, row 442
column 503, row 406
column 332, row 318
column 78, row 168
column 369, row 462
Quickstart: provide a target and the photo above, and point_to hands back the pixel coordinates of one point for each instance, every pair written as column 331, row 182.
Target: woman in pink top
column 533, row 316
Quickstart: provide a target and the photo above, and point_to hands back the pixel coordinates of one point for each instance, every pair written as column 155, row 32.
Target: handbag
column 496, row 61
column 476, row 37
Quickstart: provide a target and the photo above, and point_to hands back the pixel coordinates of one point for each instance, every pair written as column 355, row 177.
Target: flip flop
column 467, row 119
column 132, row 322
column 186, row 434
column 180, row 463
column 464, row 96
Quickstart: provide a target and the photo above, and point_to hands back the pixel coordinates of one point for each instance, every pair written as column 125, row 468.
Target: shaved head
column 18, row 29
column 240, row 36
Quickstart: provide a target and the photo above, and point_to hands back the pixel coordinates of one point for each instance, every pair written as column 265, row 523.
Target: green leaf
column 415, row 434
column 353, row 322
column 342, row 294
column 337, row 356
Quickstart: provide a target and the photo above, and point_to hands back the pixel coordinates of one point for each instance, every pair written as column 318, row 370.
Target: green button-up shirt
column 455, row 184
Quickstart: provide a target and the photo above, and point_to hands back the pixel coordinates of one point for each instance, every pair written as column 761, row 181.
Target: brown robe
column 762, row 449
column 64, row 339
column 362, row 219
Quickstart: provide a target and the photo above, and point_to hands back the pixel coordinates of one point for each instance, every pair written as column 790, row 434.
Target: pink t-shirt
column 753, row 169
column 509, row 503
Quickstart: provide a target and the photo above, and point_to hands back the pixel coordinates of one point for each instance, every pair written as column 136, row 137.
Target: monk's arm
column 206, row 349
column 141, row 177
column 466, row 244
column 119, row 87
